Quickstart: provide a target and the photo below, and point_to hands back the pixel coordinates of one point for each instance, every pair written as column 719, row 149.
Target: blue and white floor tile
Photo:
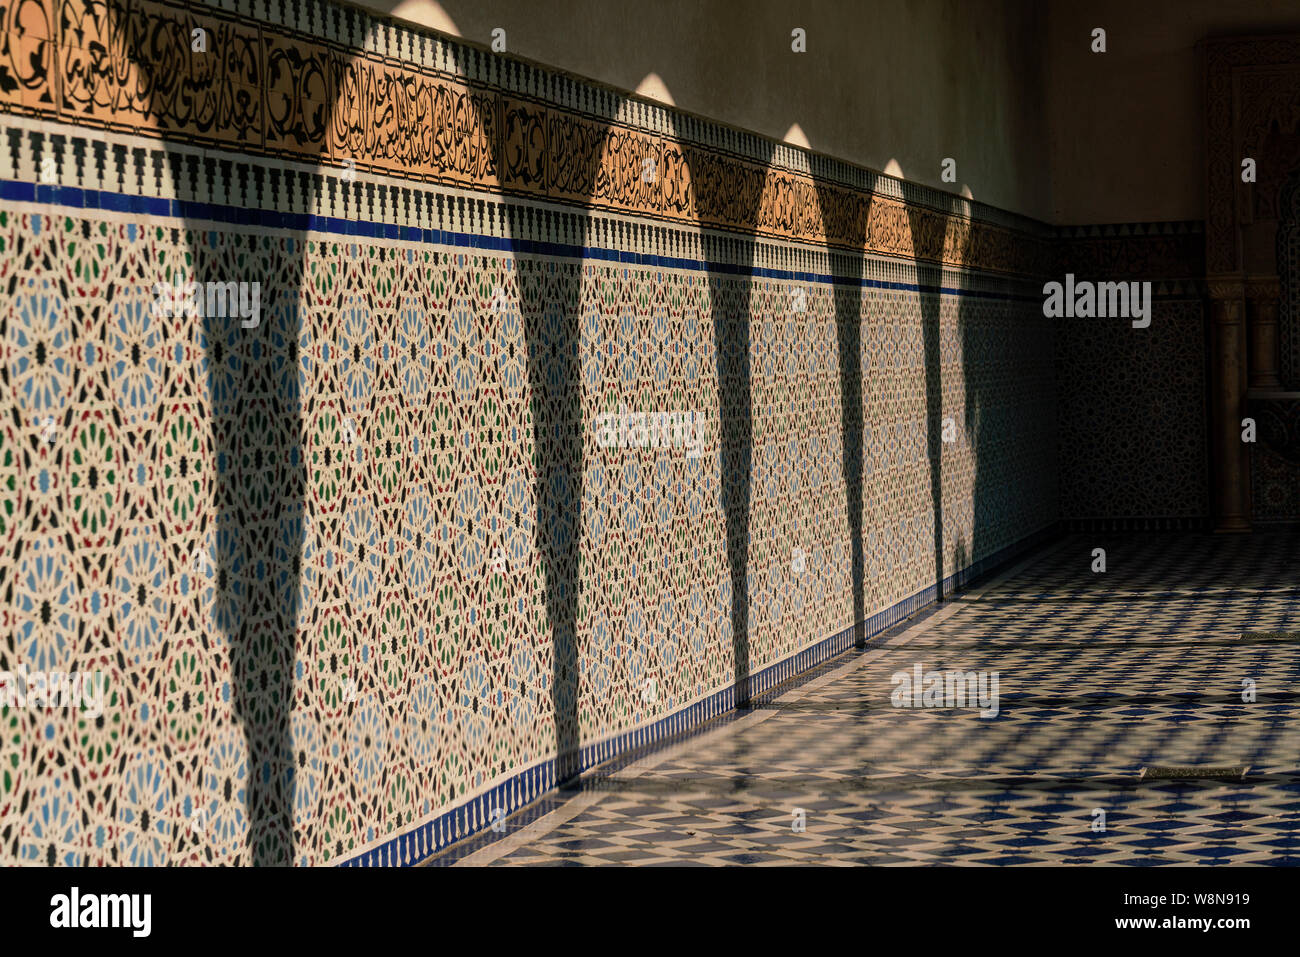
column 1099, row 676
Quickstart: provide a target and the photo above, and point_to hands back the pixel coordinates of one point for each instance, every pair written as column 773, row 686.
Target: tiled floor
column 1100, row 675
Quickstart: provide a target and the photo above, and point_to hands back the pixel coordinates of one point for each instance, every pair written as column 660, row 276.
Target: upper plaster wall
column 1126, row 127
column 1038, row 123
column 893, row 85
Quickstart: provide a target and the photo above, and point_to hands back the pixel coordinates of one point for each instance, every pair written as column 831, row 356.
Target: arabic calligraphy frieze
column 262, row 89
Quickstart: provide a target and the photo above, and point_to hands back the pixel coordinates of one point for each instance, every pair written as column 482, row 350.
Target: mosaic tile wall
column 1288, row 258
column 1133, row 430
column 1275, row 462
column 1275, row 472
column 364, row 557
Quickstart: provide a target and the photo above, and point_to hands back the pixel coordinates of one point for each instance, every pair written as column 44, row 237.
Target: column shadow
column 733, row 319
column 845, row 218
column 255, row 551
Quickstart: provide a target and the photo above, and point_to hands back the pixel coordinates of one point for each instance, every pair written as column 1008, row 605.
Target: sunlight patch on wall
column 652, row 87
column 795, row 136
column 426, row 13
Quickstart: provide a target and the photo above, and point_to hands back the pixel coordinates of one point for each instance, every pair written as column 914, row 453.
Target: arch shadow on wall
column 262, row 465
column 263, row 531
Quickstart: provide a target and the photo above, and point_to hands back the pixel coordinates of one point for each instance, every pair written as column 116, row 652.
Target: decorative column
column 1262, row 296
column 1231, row 464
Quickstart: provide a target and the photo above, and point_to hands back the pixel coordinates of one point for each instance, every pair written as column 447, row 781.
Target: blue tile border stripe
column 532, row 784
column 72, row 197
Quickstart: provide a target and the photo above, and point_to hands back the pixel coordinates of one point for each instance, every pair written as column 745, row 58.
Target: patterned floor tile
column 1099, row 677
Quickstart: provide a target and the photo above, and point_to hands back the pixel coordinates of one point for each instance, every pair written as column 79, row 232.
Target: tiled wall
column 1275, row 467
column 1288, row 259
column 357, row 572
column 1133, row 428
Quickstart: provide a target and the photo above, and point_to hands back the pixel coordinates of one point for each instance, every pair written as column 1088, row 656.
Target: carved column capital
column 1226, row 286
column 1263, row 288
